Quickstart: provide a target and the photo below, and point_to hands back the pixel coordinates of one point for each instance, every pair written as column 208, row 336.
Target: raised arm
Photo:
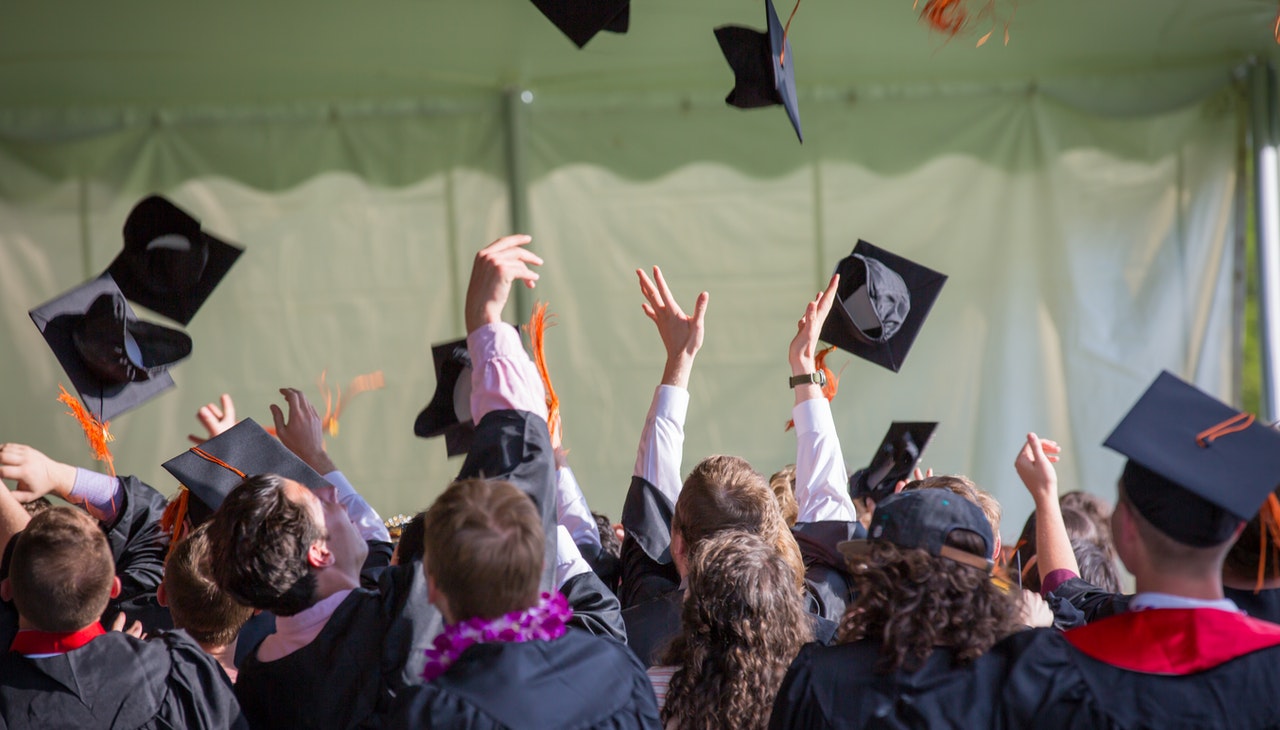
column 1053, row 545
column 822, row 484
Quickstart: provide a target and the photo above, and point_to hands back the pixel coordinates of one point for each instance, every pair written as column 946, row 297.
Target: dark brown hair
column 743, row 623
column 911, row 602
column 195, row 601
column 61, row 570
column 484, row 548
column 258, row 544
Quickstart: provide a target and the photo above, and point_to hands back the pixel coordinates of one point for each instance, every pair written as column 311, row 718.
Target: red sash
column 30, row 642
column 1175, row 641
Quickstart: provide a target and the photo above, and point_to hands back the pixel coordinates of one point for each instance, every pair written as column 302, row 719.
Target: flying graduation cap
column 580, row 20
column 899, row 453
column 169, row 264
column 115, row 361
column 883, row 302
column 1197, row 467
column 449, row 412
column 764, row 71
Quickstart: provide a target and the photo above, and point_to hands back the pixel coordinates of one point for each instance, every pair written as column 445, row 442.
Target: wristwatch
column 819, row 379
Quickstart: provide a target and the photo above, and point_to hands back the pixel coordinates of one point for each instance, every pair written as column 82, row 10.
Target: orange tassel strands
column 174, row 520
column 539, row 321
column 1269, row 516
column 333, row 405
column 95, row 431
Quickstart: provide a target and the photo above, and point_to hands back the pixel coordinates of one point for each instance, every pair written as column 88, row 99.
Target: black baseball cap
column 1197, row 467
column 764, row 72
column 899, row 453
column 581, row 20
column 115, row 361
column 449, row 412
column 922, row 519
column 169, row 264
column 884, row 300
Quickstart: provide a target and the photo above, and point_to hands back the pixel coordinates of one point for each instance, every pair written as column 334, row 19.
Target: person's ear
column 995, row 554
column 438, row 599
column 162, row 596
column 116, row 586
column 679, row 553
column 319, row 555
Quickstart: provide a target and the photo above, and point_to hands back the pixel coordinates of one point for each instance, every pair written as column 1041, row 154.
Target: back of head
column 258, row 545
column 410, row 546
column 195, row 601
column 484, row 548
column 965, row 487
column 783, row 484
column 725, row 493
column 61, row 571
column 1097, row 567
column 743, row 624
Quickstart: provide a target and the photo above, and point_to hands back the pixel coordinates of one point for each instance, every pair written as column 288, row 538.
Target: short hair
column 743, row 624
column 61, row 570
column 609, row 542
column 783, row 484
column 965, row 487
column 1172, row 556
column 36, row 506
column 196, row 603
column 725, row 493
column 258, row 545
column 410, row 548
column 484, row 548
column 1096, row 567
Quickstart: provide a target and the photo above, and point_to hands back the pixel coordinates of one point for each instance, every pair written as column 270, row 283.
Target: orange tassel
column 539, row 321
column 95, row 431
column 358, row 385
column 1269, row 517
column 833, row 381
column 174, row 520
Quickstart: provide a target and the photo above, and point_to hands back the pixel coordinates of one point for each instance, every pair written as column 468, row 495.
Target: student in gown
column 63, row 669
column 1182, row 655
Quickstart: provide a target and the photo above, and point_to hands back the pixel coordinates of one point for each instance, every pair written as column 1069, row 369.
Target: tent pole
column 513, row 106
column 1262, row 88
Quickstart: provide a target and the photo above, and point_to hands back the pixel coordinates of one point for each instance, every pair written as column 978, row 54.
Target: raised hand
column 495, row 268
column 804, row 346
column 681, row 333
column 35, row 473
column 303, row 432
column 215, row 418
column 1035, row 468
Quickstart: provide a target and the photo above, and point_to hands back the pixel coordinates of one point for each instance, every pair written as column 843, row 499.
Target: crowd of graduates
column 269, row 594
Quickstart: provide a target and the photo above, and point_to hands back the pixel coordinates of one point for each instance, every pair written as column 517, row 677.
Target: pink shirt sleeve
column 503, row 377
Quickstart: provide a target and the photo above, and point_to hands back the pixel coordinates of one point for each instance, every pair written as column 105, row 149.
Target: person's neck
column 334, row 580
column 225, row 655
column 1201, row 588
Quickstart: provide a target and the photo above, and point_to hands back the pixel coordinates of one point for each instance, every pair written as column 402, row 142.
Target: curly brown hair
column 911, row 602
column 744, row 621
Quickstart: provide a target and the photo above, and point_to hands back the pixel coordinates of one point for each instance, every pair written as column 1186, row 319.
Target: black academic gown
column 1159, row 668
column 575, row 681
column 117, row 681
column 1264, row 604
column 839, row 687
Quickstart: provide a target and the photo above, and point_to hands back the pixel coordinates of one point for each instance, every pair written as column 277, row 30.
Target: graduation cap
column 922, row 519
column 884, row 300
column 449, row 412
column 115, row 361
column 580, row 20
column 764, row 71
column 898, row 455
column 169, row 265
column 1197, row 467
column 211, row 470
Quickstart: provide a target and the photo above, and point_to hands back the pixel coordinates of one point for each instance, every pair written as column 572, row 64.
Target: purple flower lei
column 543, row 621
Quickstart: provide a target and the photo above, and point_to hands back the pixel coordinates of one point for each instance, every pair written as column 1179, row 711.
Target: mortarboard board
column 1197, row 467
column 449, row 412
column 212, row 469
column 884, row 300
column 764, row 71
column 169, row 265
column 580, row 20
column 898, row 455
column 922, row 519
column 115, row 361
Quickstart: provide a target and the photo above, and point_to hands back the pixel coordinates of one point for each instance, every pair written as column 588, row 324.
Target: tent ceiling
column 79, row 53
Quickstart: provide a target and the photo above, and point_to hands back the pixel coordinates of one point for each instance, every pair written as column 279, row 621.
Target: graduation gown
column 1159, row 668
column 1264, row 604
column 117, row 681
column 575, row 681
column 839, row 687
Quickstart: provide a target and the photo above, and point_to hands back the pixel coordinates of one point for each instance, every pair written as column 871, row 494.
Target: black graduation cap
column 169, row 265
column 884, row 300
column 1197, row 467
column 764, row 72
column 449, row 412
column 582, row 19
column 115, row 361
column 215, row 467
column 899, row 453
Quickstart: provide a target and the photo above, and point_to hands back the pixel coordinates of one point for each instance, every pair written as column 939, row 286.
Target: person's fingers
column 211, row 411
column 700, row 308
column 647, row 288
column 1037, row 451
column 917, row 474
column 228, row 406
column 828, row 296
column 508, row 242
column 278, row 416
column 117, row 623
column 648, row 312
column 197, row 440
column 668, row 298
column 928, row 472
column 23, row 497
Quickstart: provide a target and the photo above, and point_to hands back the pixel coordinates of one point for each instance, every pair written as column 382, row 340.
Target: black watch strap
column 819, row 379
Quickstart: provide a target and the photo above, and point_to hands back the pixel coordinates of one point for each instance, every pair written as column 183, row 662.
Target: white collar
column 1145, row 601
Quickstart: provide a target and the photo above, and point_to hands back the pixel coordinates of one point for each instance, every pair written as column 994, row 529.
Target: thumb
column 700, row 307
column 195, row 439
column 277, row 415
column 1037, row 450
